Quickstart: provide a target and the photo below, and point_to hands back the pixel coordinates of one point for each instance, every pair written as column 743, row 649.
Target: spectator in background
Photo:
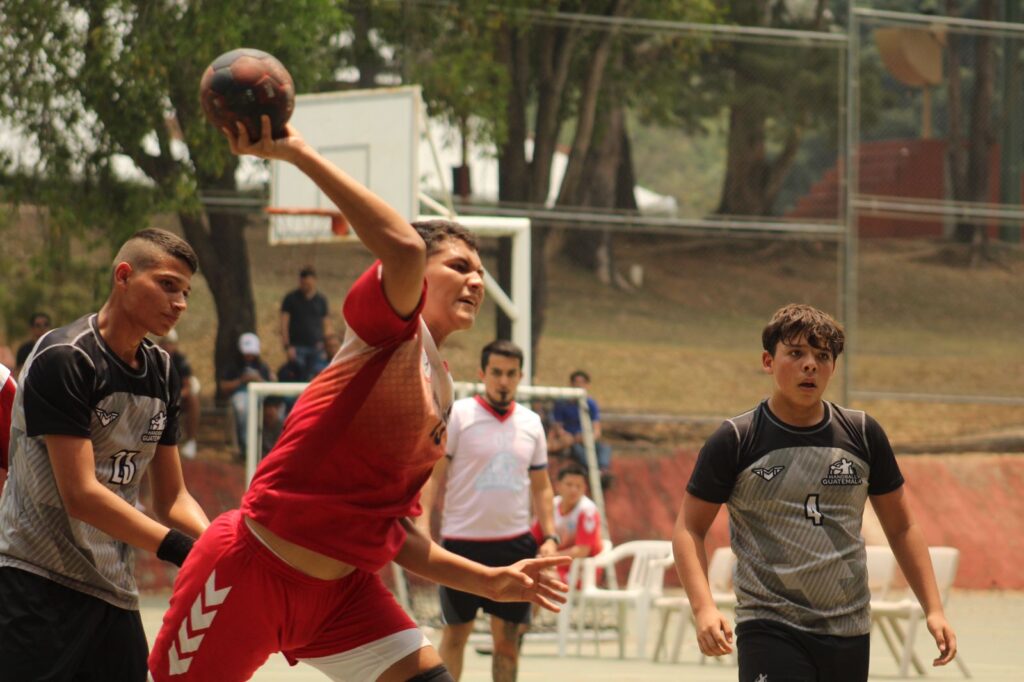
column 189, row 393
column 234, row 382
column 38, row 324
column 566, row 434
column 332, row 344
column 7, row 389
column 273, row 422
column 577, row 518
column 304, row 324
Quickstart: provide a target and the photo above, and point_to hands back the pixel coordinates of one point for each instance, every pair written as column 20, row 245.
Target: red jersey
column 361, row 440
column 7, row 389
column 581, row 525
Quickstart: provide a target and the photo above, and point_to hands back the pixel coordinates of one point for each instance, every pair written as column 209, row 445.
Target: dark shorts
column 51, row 632
column 779, row 653
column 461, row 607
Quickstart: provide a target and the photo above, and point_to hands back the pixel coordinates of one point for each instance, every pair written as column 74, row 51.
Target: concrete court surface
column 989, row 625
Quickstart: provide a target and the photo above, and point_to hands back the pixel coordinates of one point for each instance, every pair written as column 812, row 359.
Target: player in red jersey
column 7, row 389
column 294, row 569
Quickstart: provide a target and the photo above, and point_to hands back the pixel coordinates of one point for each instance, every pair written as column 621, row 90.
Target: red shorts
column 235, row 603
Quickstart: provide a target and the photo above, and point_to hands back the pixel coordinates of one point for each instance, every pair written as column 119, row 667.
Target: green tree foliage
column 96, row 86
column 537, row 70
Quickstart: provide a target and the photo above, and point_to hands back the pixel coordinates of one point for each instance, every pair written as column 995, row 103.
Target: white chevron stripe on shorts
column 200, row 618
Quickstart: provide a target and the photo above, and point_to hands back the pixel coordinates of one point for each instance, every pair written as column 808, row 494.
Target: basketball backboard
column 373, row 135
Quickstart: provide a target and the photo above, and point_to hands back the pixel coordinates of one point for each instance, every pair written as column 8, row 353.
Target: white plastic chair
column 643, row 585
column 564, row 619
column 720, row 573
column 890, row 614
column 881, row 565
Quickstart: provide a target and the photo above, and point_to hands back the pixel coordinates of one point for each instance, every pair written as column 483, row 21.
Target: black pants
column 50, row 633
column 778, row 653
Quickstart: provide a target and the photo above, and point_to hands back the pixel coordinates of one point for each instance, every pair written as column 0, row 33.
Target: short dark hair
column 581, row 374
column 572, row 470
column 792, row 321
column 32, row 318
column 168, row 242
column 436, row 232
column 501, row 347
column 307, row 271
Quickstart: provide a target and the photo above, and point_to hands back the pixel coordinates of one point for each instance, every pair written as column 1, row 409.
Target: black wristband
column 553, row 536
column 175, row 547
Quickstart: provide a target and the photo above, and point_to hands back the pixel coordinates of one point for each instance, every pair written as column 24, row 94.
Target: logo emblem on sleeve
column 156, row 428
column 842, row 472
column 106, row 418
column 769, row 473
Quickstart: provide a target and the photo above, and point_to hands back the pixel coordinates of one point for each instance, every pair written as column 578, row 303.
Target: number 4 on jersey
column 811, row 509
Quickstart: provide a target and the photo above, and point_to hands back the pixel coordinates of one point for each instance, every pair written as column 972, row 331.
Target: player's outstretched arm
column 527, row 580
column 911, row 550
column 381, row 228
column 714, row 633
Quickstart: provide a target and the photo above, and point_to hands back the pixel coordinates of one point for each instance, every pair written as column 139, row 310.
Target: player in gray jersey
column 795, row 473
column 97, row 408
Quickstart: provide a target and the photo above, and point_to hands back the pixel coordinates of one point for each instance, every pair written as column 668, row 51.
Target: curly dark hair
column 437, row 232
column 792, row 321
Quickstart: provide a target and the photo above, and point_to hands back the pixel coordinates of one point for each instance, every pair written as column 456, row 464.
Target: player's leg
column 506, row 635
column 458, row 611
column 53, row 632
column 509, row 620
column 843, row 659
column 118, row 650
column 453, row 646
column 772, row 651
column 367, row 636
column 223, row 619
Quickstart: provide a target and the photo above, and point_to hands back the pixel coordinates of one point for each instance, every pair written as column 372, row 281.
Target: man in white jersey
column 496, row 460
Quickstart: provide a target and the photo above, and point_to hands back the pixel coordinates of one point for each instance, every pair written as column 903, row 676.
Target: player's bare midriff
column 311, row 563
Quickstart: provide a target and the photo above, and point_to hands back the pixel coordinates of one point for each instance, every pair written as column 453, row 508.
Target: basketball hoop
column 307, row 225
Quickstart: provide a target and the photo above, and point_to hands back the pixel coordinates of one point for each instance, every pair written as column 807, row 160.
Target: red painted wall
column 972, row 502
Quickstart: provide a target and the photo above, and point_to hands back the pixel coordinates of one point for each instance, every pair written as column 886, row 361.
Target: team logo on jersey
column 106, row 418
column 502, row 472
column 770, row 473
column 842, row 472
column 156, row 428
column 763, row 677
column 425, row 361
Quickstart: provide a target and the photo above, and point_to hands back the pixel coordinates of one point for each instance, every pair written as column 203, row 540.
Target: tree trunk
column 224, row 262
column 752, row 180
column 970, row 158
column 598, row 189
column 367, row 58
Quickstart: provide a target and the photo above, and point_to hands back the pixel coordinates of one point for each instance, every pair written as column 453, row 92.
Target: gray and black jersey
column 796, row 502
column 74, row 385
